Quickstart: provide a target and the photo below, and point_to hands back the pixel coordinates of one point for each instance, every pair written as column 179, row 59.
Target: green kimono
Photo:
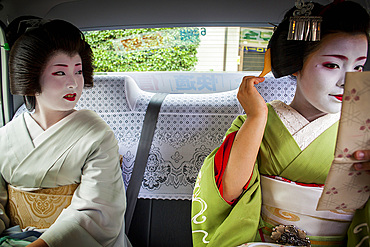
column 216, row 223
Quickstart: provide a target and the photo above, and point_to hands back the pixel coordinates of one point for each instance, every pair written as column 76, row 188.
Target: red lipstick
column 339, row 97
column 70, row 97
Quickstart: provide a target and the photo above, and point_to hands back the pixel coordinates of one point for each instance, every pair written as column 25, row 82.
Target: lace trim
column 302, row 131
column 292, row 119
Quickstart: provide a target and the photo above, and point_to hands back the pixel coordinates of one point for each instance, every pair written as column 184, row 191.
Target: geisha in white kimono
column 79, row 150
column 267, row 175
column 60, row 170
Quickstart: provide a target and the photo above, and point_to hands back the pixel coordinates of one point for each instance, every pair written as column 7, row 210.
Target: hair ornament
column 290, row 235
column 303, row 26
column 30, row 24
column 266, row 63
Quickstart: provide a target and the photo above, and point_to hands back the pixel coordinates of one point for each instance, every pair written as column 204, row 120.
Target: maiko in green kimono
column 271, row 167
column 279, row 155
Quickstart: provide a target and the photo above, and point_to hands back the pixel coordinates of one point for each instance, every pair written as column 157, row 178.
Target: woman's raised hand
column 247, row 141
column 250, row 99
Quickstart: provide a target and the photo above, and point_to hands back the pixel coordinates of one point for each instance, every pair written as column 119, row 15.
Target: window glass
column 202, row 49
column 160, row 49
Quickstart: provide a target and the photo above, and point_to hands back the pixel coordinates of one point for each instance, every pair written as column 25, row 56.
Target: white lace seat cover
column 189, row 127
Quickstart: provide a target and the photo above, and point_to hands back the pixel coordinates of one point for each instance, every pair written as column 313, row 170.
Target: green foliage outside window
column 174, row 49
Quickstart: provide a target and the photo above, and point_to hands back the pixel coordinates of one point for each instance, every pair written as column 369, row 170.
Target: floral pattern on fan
column 346, row 188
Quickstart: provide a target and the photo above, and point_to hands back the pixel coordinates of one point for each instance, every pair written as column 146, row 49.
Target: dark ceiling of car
column 109, row 14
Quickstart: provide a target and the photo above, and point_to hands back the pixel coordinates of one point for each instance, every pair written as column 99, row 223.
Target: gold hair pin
column 303, row 26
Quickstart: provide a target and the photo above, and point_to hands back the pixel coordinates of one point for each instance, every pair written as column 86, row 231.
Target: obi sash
column 38, row 208
column 291, row 204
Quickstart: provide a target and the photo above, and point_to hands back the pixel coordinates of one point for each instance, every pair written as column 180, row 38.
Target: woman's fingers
column 362, row 166
column 362, row 155
column 253, row 79
column 250, row 81
column 259, row 80
column 249, row 98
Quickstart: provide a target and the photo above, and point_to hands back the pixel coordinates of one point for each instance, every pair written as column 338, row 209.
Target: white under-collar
column 38, row 134
column 303, row 131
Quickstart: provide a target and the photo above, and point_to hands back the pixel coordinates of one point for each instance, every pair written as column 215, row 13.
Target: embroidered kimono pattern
column 217, row 223
column 81, row 149
column 38, row 208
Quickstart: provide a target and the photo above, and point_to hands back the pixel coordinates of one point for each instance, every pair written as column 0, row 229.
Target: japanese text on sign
column 197, row 84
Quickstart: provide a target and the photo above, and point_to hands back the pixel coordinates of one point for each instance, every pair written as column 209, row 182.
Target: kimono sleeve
column 96, row 214
column 214, row 221
column 4, row 220
column 358, row 232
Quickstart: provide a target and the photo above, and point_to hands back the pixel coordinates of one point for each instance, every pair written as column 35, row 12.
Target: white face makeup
column 61, row 83
column 320, row 83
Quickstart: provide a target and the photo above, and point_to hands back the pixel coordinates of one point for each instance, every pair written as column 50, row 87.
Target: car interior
column 166, row 122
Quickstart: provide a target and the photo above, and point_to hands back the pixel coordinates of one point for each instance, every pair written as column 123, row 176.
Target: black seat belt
column 142, row 154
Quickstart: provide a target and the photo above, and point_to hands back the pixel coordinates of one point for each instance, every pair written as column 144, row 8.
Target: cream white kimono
column 80, row 148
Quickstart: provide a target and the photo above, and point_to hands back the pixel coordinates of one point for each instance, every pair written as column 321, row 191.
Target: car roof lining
column 114, row 14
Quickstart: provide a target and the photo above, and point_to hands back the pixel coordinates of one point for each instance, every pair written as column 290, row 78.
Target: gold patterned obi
column 38, row 208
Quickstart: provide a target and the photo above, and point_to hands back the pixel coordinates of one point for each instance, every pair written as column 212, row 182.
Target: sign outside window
column 255, row 37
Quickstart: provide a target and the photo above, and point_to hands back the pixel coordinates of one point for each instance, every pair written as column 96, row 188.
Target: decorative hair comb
column 27, row 25
column 302, row 25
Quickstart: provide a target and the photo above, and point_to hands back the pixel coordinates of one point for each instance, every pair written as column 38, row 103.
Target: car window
column 203, row 49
